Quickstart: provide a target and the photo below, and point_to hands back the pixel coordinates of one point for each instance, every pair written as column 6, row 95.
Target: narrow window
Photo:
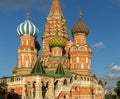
column 77, row 59
column 86, row 59
column 82, row 66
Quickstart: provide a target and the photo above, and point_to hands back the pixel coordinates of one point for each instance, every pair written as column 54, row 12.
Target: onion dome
column 14, row 70
column 27, row 27
column 57, row 41
column 80, row 27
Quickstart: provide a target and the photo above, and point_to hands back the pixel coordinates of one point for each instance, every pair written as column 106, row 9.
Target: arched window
column 55, row 84
column 71, row 80
column 85, row 78
column 88, row 79
column 34, row 89
column 75, row 77
column 26, row 91
column 44, row 88
column 65, row 96
column 65, row 82
column 77, row 59
column 82, row 66
column 81, row 78
column 86, row 59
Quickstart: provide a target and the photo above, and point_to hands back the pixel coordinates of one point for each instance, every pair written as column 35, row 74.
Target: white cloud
column 98, row 45
column 112, row 75
column 115, row 67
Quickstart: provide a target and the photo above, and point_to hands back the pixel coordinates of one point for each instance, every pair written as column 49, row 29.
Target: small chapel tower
column 80, row 53
column 27, row 51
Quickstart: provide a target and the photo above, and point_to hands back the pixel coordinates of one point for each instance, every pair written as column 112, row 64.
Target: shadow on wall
column 13, row 95
column 2, row 93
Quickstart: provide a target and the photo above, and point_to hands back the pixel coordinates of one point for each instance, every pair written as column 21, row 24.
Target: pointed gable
column 60, row 70
column 38, row 68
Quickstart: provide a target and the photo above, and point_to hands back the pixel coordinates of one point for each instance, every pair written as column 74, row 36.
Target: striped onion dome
column 27, row 27
column 57, row 41
column 80, row 27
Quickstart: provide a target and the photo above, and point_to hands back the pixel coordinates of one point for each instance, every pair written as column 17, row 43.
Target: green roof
column 60, row 70
column 52, row 74
column 38, row 68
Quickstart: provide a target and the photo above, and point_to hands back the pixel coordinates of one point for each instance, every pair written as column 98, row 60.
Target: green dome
column 57, row 41
column 80, row 27
column 14, row 70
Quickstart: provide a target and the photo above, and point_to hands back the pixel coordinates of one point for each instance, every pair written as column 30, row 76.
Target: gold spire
column 55, row 9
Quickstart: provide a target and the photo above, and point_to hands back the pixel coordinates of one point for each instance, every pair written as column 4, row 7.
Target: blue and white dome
column 27, row 27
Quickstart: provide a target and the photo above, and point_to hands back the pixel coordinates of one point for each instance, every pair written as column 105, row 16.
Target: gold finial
column 28, row 13
column 80, row 12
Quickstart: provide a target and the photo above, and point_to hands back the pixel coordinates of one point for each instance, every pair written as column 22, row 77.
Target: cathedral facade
column 64, row 69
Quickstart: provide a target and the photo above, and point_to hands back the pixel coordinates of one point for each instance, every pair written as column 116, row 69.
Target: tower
column 80, row 59
column 55, row 22
column 27, row 51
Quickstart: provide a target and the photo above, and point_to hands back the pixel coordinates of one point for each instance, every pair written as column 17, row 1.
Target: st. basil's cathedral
column 64, row 69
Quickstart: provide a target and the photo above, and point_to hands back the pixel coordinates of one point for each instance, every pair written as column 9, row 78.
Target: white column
column 38, row 86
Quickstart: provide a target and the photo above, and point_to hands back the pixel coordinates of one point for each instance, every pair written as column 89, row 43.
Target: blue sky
column 101, row 16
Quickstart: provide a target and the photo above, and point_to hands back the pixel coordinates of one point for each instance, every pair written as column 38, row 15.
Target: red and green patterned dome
column 57, row 41
column 80, row 27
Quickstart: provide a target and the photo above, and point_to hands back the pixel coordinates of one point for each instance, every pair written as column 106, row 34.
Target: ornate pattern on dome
column 27, row 28
column 80, row 27
column 57, row 41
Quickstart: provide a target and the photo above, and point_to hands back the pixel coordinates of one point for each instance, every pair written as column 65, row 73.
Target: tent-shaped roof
column 38, row 68
column 55, row 9
column 60, row 70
